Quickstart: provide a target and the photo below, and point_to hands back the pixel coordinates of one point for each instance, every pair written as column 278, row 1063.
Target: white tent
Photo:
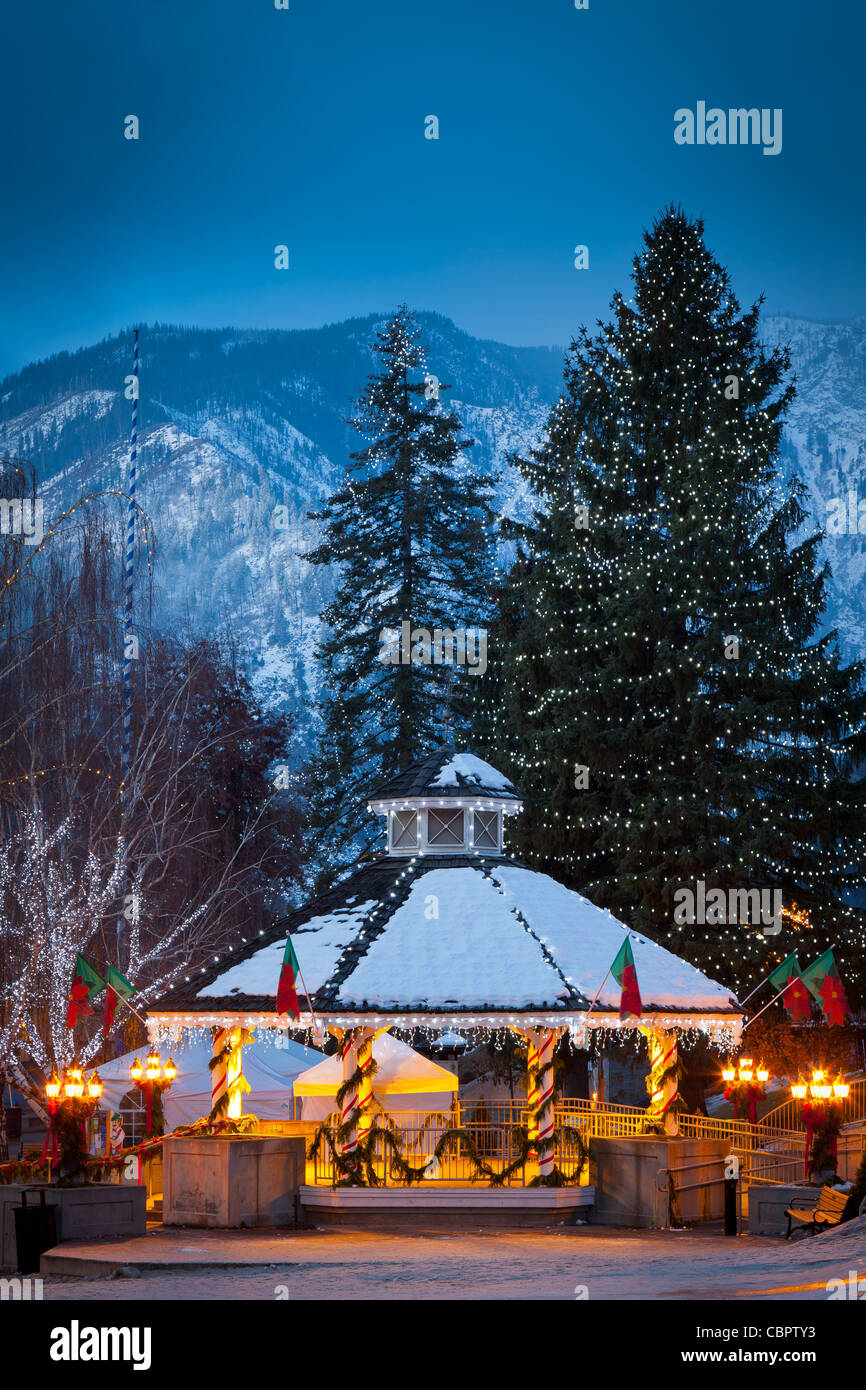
column 270, row 1068
column 404, row 1080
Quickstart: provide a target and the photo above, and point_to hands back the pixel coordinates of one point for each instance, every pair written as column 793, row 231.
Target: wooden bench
column 827, row 1212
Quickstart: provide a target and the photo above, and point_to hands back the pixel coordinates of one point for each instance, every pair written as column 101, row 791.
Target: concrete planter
column 99, row 1211
column 629, row 1175
column 769, row 1202
column 231, row 1180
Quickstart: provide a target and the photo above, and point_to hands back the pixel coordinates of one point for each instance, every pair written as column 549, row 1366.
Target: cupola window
column 404, row 833
column 485, row 829
column 445, row 829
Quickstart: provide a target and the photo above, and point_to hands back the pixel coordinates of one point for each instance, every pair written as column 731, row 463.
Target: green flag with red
column 623, row 972
column 119, row 987
column 287, row 994
column 787, row 977
column 822, row 980
column 85, row 983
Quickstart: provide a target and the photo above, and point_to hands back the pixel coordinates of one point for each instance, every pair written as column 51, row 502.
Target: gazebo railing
column 493, row 1133
column 495, row 1129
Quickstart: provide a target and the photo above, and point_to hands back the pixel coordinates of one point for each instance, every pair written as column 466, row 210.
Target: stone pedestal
column 98, row 1211
column 768, row 1203
column 231, row 1180
column 630, row 1177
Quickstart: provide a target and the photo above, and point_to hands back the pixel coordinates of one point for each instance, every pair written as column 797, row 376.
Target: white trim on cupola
column 480, row 832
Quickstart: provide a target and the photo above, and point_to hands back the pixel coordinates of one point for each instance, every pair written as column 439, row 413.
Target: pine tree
column 410, row 531
column 676, row 716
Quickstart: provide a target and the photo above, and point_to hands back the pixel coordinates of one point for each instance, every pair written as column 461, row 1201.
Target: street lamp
column 152, row 1079
column 822, row 1115
column 73, row 1086
column 744, row 1085
column 69, row 1109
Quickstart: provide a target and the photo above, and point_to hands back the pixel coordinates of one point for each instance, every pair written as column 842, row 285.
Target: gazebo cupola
column 447, row 803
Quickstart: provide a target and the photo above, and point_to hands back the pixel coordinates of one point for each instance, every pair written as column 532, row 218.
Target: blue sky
column 306, row 127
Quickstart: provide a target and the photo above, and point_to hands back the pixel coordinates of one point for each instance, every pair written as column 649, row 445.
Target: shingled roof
column 444, row 774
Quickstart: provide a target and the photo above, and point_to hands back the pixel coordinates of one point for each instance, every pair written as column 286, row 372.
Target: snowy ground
column 538, row 1265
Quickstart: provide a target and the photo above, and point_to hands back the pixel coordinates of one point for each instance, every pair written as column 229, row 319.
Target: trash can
column 13, row 1124
column 35, row 1232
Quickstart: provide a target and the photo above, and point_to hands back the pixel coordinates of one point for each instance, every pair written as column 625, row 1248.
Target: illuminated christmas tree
column 671, row 712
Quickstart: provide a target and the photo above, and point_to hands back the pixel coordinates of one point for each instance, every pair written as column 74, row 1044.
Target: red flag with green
column 85, row 983
column 822, row 979
column 787, row 977
column 623, row 972
column 118, row 987
column 287, row 994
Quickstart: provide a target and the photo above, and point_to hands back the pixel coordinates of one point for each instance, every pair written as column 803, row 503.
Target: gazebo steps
column 445, row 1208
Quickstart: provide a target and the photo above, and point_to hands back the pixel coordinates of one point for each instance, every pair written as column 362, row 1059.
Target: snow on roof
column 446, row 773
column 584, row 939
column 473, row 954
column 465, row 767
column 460, row 937
column 318, row 946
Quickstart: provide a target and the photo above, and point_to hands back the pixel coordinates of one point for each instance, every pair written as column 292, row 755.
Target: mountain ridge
column 234, row 423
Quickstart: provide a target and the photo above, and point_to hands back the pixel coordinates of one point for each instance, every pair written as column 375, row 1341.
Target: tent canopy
column 401, row 1071
column 269, row 1067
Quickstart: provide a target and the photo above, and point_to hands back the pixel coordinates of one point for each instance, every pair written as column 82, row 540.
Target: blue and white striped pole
column 128, row 647
column 128, row 642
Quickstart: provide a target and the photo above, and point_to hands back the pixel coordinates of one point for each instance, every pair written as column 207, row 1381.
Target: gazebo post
column 663, row 1058
column 234, row 1075
column 364, row 1052
column 349, row 1107
column 540, row 1043
column 218, row 1071
column 356, row 1053
column 531, row 1039
column 546, row 1043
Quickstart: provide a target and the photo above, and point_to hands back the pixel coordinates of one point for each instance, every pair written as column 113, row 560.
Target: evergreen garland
column 358, row 1170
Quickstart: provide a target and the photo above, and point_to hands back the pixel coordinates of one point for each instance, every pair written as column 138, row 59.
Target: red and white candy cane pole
column 218, row 1081
column 364, row 1052
column 663, row 1057
column 532, row 1091
column 236, row 1085
column 546, row 1042
column 349, row 1114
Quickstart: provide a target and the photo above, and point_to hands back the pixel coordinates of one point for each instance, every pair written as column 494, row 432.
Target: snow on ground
column 609, row 1265
column 584, row 940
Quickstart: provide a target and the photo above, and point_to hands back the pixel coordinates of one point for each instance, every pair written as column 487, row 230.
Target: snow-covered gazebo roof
column 428, row 938
column 436, row 940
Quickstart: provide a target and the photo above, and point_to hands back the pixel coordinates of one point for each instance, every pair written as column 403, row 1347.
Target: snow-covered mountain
column 242, row 432
column 825, row 442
